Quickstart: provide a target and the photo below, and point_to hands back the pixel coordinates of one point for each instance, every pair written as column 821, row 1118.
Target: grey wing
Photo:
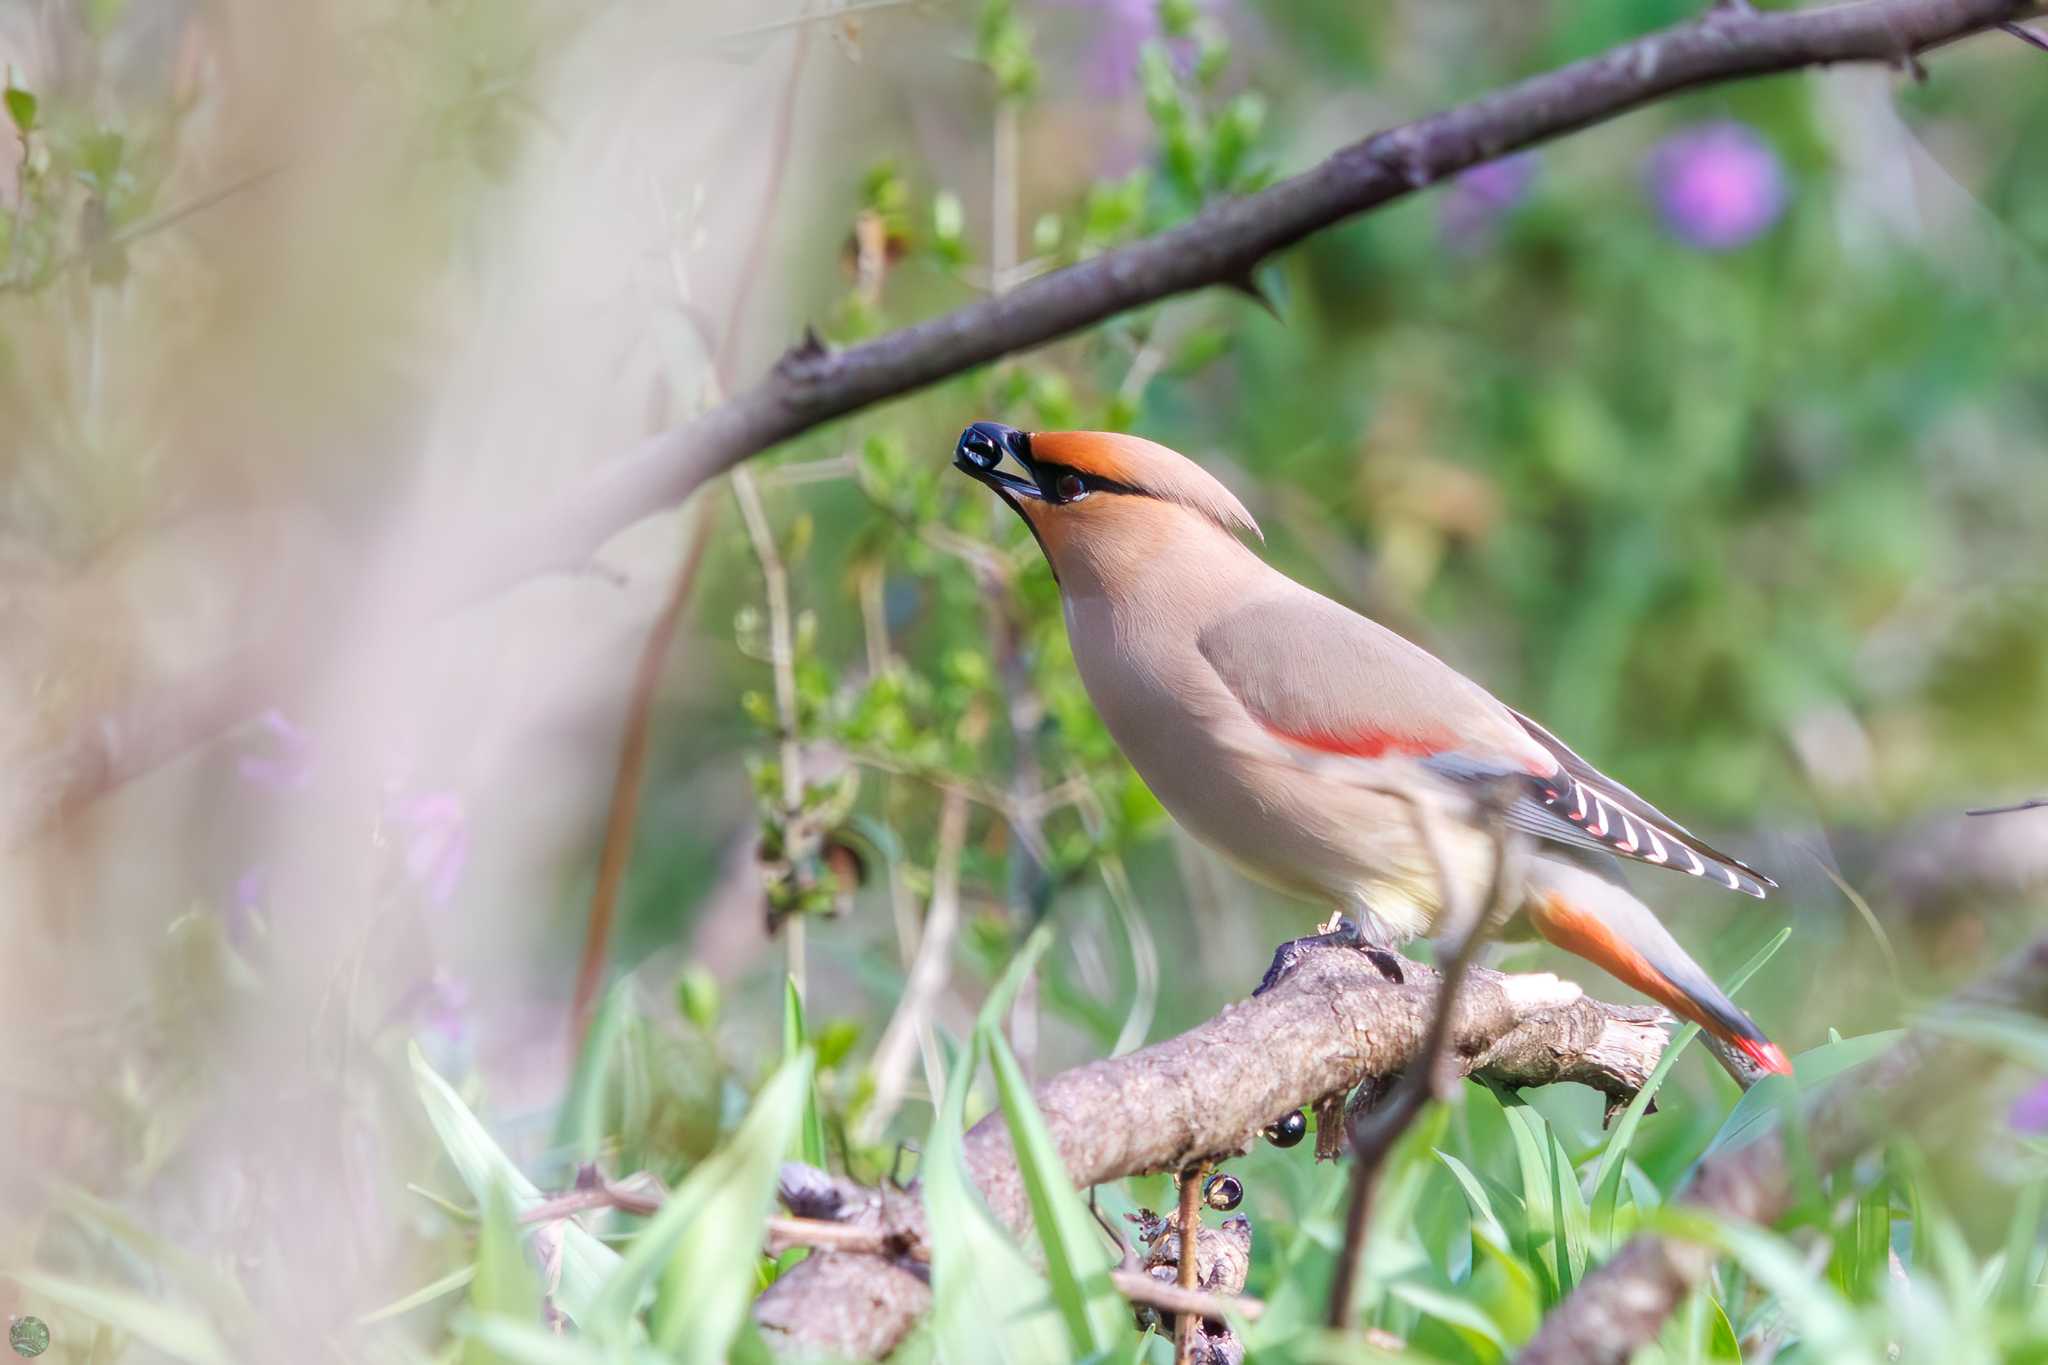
column 1580, row 806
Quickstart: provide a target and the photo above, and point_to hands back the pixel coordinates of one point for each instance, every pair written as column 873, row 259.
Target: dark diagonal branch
column 1188, row 1101
column 1623, row 1305
column 812, row 385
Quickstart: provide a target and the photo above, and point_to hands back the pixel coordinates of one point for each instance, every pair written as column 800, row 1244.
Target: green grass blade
column 441, row 1288
column 1827, row 1324
column 175, row 1332
column 1078, row 1260
column 1542, row 1246
column 1607, row 1176
column 504, row 1286
column 706, row 1239
column 212, row 1287
column 1483, row 1216
column 1574, row 1224
column 1012, row 980
column 794, row 1038
column 989, row 1304
column 1757, row 1111
column 586, row 1262
column 580, row 1128
column 1480, row 1334
column 2022, row 1235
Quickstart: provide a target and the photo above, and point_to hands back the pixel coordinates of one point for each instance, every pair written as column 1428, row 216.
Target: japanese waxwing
column 1295, row 737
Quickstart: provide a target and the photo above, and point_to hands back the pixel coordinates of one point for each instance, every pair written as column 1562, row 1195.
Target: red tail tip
column 1765, row 1054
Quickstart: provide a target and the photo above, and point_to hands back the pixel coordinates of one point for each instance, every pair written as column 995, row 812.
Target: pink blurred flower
column 1125, row 26
column 2030, row 1111
column 1477, row 200
column 435, row 828
column 285, row 763
column 1718, row 186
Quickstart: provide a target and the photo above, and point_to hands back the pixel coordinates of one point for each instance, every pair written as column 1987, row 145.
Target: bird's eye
column 1069, row 488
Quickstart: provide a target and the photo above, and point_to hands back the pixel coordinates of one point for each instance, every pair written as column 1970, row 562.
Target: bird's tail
column 1601, row 921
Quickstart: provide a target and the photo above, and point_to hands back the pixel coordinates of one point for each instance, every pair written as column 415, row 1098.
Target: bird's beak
column 981, row 451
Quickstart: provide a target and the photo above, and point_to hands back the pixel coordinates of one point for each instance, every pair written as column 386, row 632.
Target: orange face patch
column 1106, row 454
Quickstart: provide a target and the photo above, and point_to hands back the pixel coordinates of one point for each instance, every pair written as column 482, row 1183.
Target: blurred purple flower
column 436, row 833
column 2030, row 1111
column 1125, row 27
column 444, row 1012
column 246, row 909
column 286, row 764
column 1481, row 197
column 1718, row 185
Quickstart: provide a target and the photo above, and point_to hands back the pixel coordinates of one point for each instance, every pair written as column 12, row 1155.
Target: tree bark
column 1204, row 1096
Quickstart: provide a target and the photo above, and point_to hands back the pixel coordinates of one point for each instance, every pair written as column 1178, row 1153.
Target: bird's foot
column 1338, row 932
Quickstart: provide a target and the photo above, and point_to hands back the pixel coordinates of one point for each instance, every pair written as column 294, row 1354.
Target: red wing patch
column 1366, row 743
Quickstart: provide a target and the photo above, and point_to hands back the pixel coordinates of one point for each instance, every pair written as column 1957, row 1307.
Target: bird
column 1298, row 739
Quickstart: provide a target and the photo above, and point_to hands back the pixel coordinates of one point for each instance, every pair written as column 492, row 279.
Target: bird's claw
column 1338, row 932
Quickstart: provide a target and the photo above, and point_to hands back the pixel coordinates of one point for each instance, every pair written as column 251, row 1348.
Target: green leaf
column 1827, row 1324
column 483, row 1165
column 997, row 1006
column 704, row 1243
column 21, row 107
column 1756, row 1112
column 1480, row 1333
column 2022, row 1234
column 504, row 1286
column 794, row 1039
column 1078, row 1260
column 175, row 1332
column 580, row 1129
column 1568, row 1205
column 1540, row 1244
column 1483, row 1216
column 1607, row 1176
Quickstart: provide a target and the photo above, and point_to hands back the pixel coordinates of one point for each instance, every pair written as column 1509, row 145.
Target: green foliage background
column 1759, row 531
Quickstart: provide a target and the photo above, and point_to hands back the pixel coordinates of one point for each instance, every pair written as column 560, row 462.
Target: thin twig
column 622, row 819
column 782, row 658
column 1373, row 1139
column 1137, row 1286
column 2025, row 35
column 1171, row 1297
column 927, row 974
column 1189, row 1225
column 2031, row 803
